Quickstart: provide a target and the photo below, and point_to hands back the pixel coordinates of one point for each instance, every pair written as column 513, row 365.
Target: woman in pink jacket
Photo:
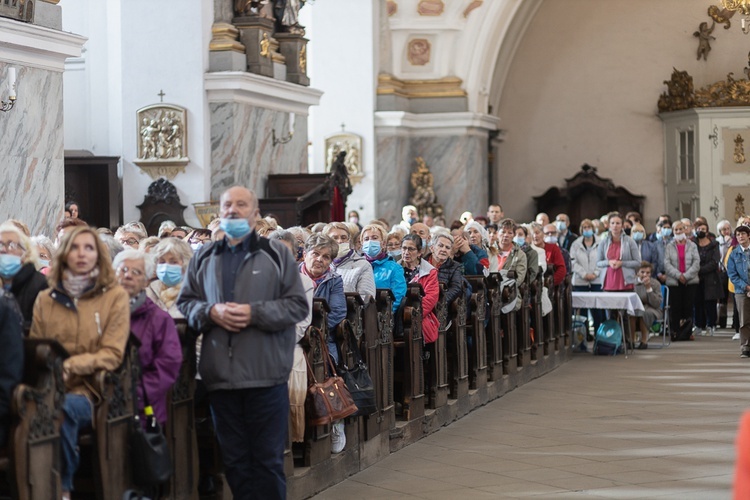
column 418, row 270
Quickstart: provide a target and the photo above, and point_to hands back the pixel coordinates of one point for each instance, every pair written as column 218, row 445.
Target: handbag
column 357, row 378
column 149, row 452
column 329, row 400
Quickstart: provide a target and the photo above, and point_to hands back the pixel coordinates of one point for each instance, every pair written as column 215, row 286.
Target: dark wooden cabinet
column 92, row 182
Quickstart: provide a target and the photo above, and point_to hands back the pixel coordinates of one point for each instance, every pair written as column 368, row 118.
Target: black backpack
column 683, row 331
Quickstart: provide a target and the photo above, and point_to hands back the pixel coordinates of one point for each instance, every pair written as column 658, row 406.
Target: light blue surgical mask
column 425, row 244
column 395, row 254
column 412, row 220
column 561, row 226
column 44, row 263
column 169, row 274
column 196, row 246
column 9, row 265
column 666, row 232
column 519, row 240
column 235, row 228
column 371, row 248
column 588, row 233
column 637, row 235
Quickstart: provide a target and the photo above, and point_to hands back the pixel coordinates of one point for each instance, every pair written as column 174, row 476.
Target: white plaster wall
column 137, row 48
column 583, row 88
column 343, row 64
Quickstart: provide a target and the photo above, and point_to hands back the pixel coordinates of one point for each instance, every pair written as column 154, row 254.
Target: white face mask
column 680, row 237
column 550, row 239
column 343, row 249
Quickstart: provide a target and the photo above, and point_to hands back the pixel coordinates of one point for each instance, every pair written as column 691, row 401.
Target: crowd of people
column 245, row 285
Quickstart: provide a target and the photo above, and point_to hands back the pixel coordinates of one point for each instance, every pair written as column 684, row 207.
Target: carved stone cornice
column 681, row 94
column 36, row 46
column 443, row 87
column 224, row 36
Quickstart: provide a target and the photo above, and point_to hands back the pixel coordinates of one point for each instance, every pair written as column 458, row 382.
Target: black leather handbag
column 149, row 452
column 357, row 378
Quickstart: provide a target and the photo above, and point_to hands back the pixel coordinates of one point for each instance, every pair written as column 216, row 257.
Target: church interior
column 142, row 110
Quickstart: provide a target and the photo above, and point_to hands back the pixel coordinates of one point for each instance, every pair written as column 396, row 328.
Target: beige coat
column 94, row 329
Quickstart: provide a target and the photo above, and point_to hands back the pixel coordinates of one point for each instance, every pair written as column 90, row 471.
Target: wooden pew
column 371, row 351
column 510, row 337
column 409, row 349
column 436, row 377
column 549, row 319
column 478, row 350
column 458, row 362
column 106, row 445
column 537, row 343
column 567, row 310
column 317, row 438
column 523, row 326
column 31, row 461
column 180, row 431
column 384, row 330
column 494, row 329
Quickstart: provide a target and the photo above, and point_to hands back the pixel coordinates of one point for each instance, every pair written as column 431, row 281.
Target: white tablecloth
column 624, row 301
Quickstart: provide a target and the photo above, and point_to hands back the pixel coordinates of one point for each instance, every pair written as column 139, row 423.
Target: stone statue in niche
column 419, row 52
column 704, row 39
column 424, row 198
column 348, row 143
column 286, row 13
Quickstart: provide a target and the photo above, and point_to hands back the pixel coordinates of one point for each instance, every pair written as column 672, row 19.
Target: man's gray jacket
column 261, row 355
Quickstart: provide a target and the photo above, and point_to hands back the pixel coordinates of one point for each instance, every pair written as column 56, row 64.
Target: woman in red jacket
column 418, row 270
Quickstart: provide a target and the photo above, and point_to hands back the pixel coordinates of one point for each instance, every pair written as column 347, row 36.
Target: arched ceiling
column 474, row 40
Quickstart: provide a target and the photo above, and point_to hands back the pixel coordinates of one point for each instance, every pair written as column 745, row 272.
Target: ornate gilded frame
column 352, row 145
column 162, row 140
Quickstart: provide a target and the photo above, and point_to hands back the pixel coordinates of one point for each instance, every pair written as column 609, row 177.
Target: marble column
column 31, row 134
column 246, row 113
column 454, row 147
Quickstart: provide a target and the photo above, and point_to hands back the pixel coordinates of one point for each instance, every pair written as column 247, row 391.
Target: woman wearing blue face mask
column 387, row 273
column 172, row 258
column 45, row 251
column 18, row 261
column 587, row 277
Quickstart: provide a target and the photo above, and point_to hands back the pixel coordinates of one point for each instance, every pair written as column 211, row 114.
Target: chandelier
column 741, row 6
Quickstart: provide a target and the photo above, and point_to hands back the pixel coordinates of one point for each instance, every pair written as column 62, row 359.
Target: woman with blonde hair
column 352, row 267
column 89, row 314
column 387, row 273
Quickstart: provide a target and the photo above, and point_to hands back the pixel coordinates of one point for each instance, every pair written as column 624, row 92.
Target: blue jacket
column 650, row 253
column 737, row 270
column 332, row 290
column 389, row 274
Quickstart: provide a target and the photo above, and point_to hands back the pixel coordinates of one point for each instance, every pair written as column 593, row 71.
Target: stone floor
column 660, row 424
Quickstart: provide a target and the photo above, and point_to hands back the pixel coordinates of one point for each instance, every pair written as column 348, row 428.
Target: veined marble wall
column 32, row 175
column 242, row 150
column 458, row 165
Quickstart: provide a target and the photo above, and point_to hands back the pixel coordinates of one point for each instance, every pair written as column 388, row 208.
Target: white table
column 619, row 301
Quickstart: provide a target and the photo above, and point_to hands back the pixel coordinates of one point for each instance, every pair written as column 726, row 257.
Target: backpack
column 609, row 339
column 683, row 331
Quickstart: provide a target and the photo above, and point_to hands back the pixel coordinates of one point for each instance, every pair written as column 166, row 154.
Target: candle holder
column 7, row 105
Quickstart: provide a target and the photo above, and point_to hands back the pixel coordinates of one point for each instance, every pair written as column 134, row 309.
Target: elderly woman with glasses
column 172, row 257
column 418, row 270
column 354, row 269
column 18, row 274
column 89, row 314
column 160, row 353
column 131, row 234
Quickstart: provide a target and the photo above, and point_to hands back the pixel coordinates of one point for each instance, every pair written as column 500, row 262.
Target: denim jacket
column 737, row 269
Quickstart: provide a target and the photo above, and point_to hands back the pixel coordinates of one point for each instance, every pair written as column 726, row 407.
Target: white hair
column 148, row 261
column 482, row 232
column 176, row 246
column 721, row 224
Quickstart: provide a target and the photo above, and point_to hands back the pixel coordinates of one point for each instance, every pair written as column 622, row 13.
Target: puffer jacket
column 427, row 277
column 356, row 273
column 389, row 274
column 160, row 355
column 94, row 329
column 585, row 262
column 672, row 264
column 260, row 355
column 450, row 275
column 25, row 287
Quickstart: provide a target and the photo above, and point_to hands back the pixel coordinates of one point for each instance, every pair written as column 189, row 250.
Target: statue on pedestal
column 286, row 13
column 248, row 7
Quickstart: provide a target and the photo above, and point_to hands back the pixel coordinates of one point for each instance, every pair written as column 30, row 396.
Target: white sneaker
column 736, row 336
column 338, row 437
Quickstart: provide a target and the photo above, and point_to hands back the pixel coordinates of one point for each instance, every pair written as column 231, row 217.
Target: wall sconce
column 284, row 140
column 8, row 105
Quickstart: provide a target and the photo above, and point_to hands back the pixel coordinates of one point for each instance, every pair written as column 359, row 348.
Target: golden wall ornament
column 162, row 140
column 680, row 94
column 418, row 51
column 424, row 198
column 303, row 59
column 721, row 16
column 392, row 7
column 739, row 207
column 739, row 149
column 224, row 37
column 351, row 144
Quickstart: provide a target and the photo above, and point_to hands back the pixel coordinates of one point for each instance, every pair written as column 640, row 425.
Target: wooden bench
column 476, row 331
column 317, row 438
column 436, row 370
column 537, row 320
column 383, row 330
column 410, row 370
column 456, row 349
column 494, row 329
column 31, row 460
column 510, row 338
column 523, row 326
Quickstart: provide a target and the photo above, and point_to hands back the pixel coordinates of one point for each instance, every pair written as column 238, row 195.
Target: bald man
column 244, row 294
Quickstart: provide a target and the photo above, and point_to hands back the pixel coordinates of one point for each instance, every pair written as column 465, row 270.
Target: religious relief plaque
column 162, row 140
column 351, row 144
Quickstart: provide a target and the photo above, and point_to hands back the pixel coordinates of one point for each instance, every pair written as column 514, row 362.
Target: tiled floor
column 660, row 424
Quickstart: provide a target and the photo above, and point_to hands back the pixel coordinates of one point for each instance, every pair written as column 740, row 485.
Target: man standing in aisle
column 244, row 294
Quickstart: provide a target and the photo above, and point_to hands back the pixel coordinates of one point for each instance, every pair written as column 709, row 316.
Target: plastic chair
column 664, row 327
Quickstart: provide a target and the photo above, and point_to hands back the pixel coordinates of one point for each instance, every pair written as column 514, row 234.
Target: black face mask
column 701, row 234
column 627, row 231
